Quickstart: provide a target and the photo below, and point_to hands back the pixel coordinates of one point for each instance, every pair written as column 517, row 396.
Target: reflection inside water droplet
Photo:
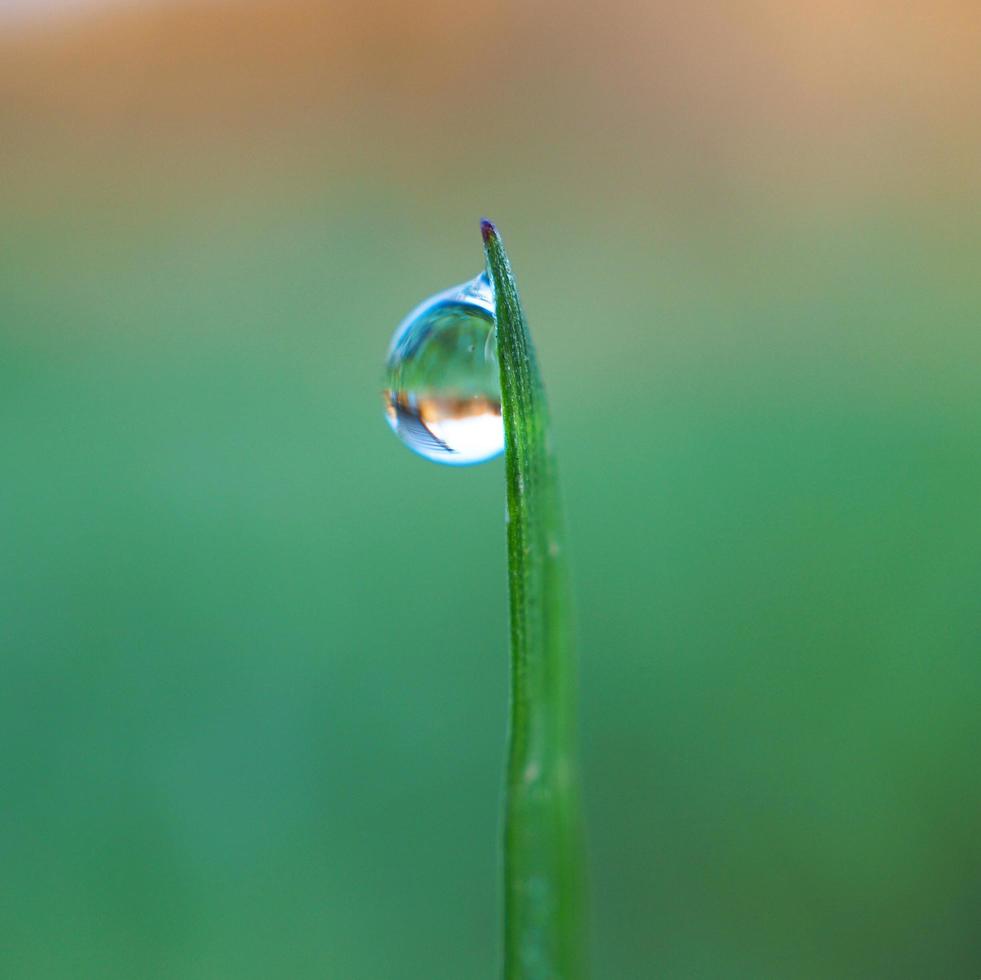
column 443, row 393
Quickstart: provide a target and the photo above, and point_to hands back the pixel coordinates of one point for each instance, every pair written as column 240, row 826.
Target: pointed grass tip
column 488, row 230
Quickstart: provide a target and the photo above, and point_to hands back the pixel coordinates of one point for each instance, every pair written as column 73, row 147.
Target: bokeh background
column 253, row 652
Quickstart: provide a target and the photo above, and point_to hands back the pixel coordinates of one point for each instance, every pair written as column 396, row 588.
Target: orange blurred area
column 864, row 93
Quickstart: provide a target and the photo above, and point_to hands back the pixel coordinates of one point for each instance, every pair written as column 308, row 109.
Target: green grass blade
column 543, row 875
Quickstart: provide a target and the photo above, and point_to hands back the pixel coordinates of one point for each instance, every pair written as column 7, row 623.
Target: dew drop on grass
column 442, row 387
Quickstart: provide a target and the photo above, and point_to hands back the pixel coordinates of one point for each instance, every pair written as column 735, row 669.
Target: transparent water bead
column 443, row 390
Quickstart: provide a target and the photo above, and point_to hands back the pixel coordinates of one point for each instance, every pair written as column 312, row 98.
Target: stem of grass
column 543, row 861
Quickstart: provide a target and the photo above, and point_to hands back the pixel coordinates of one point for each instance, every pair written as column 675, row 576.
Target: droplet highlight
column 443, row 389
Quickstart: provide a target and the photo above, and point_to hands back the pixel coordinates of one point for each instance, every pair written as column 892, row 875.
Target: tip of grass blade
column 488, row 230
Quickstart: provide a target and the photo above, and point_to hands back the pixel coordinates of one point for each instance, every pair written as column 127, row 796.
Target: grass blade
column 543, row 875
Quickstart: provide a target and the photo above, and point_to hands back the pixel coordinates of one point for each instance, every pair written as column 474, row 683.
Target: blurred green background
column 253, row 652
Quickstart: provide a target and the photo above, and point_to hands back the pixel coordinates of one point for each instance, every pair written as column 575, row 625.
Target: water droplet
column 443, row 390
